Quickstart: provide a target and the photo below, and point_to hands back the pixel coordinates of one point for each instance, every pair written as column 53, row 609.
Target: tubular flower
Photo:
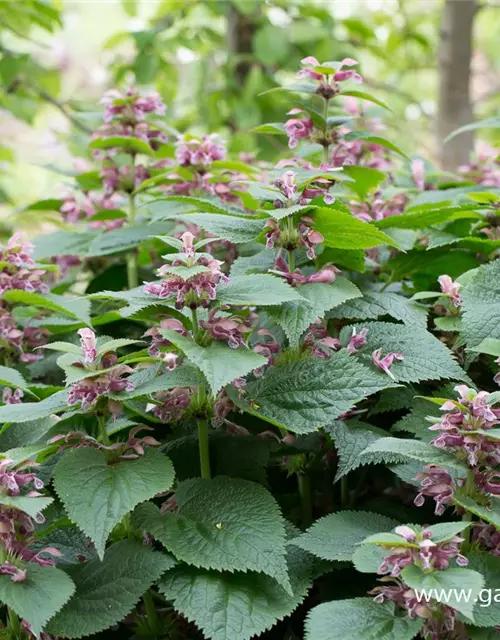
column 197, row 152
column 328, row 80
column 451, row 289
column 19, row 270
column 385, row 363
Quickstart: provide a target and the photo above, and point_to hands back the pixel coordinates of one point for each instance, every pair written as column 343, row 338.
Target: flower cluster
column 191, row 278
column 326, row 274
column 88, row 390
column 199, row 152
column 233, row 329
column 328, row 74
column 450, row 289
column 18, row 269
column 20, row 341
column 485, row 168
column 82, row 206
column 423, row 552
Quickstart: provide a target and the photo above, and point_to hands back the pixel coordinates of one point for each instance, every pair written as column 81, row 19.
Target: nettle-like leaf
column 487, row 609
column 76, row 308
column 30, row 505
column 447, row 585
column 373, row 305
column 306, row 395
column 96, row 495
column 29, row 411
column 125, row 238
column 236, row 229
column 107, row 590
column 256, row 290
column 394, row 450
column 360, row 619
column 226, row 606
column 62, row 243
column 146, row 382
column 428, row 216
column 14, row 379
column 227, row 524
column 25, row 433
column 336, row 536
column 481, row 305
column 488, row 514
column 218, row 362
column 38, row 598
column 351, row 439
column 295, row 317
column 341, row 230
column 425, row 357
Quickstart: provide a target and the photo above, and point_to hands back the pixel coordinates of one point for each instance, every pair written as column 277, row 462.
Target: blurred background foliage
column 210, row 60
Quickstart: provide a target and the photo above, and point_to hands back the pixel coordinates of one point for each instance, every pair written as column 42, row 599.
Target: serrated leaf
column 491, row 515
column 486, row 610
column 226, row 524
column 72, row 544
column 107, row 591
column 280, row 214
column 72, row 307
column 390, row 450
column 490, row 346
column 128, row 144
column 218, row 362
column 124, row 238
column 425, row 357
column 24, row 433
column 364, row 179
column 28, row 411
column 359, row 619
column 341, row 230
column 111, row 490
column 351, row 439
column 481, row 305
column 30, row 505
column 271, row 128
column 14, row 379
column 363, row 95
column 236, row 229
column 447, row 585
column 226, row 606
column 39, row 597
column 336, row 536
column 62, row 243
column 373, row 305
column 309, row 394
column 256, row 290
column 446, row 530
column 427, row 217
column 368, row 136
column 295, row 317
column 65, row 347
column 183, row 376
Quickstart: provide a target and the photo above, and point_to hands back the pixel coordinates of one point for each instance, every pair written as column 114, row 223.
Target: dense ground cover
column 246, row 400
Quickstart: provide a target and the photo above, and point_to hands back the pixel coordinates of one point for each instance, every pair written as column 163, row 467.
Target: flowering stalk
column 132, row 276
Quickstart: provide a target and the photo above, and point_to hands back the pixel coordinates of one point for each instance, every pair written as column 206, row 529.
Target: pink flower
column 451, row 289
column 385, row 363
column 297, row 129
column 171, row 405
column 199, row 151
column 308, row 237
column 437, row 484
column 232, row 329
column 328, row 86
column 88, row 344
column 357, row 340
column 418, row 173
column 187, row 240
column 12, row 397
column 157, row 340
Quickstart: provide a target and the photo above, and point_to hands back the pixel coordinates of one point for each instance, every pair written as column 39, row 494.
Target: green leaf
column 336, row 536
column 124, row 238
column 394, row 450
column 280, row 214
column 127, row 144
column 353, row 260
column 490, row 346
column 30, row 505
column 341, row 230
column 62, row 243
column 487, row 608
column 296, row 316
column 230, row 606
column 226, row 524
column 363, row 95
column 65, row 347
column 449, row 324
column 481, row 305
column 374, row 305
column 425, row 357
column 359, row 619
column 351, row 439
column 72, row 307
column 372, row 138
column 107, row 591
column 24, row 433
column 446, row 530
column 218, row 362
column 491, row 515
column 427, row 217
column 488, row 123
column 28, row 411
column 39, row 597
column 183, row 376
column 447, row 584
column 271, row 44
column 236, row 229
column 14, row 379
column 306, row 395
column 111, row 490
column 256, row 290
column 271, row 128
column 364, row 179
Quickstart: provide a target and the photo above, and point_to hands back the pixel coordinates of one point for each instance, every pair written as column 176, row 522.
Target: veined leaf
column 256, row 289
column 341, row 230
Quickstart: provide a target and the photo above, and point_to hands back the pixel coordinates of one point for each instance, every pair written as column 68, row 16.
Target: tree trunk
column 455, row 106
column 240, row 32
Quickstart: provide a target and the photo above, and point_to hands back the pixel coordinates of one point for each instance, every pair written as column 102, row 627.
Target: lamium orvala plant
column 231, row 390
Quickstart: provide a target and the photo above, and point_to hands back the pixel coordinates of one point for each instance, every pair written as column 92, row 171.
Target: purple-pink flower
column 451, row 289
column 89, row 344
column 357, row 340
column 198, row 152
column 328, row 86
column 19, row 270
column 385, row 363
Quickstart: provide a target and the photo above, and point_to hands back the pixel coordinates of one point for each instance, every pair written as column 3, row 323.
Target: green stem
column 133, row 280
column 14, row 624
column 103, row 433
column 327, row 146
column 291, row 261
column 204, row 448
column 152, row 616
column 196, row 326
column 467, row 517
column 305, row 497
column 344, row 492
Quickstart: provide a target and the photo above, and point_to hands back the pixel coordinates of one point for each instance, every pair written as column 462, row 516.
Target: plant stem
column 14, row 624
column 151, row 614
column 204, row 448
column 291, row 261
column 344, row 492
column 305, row 497
column 133, row 280
column 196, row 326
column 103, row 434
column 327, row 145
column 467, row 517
